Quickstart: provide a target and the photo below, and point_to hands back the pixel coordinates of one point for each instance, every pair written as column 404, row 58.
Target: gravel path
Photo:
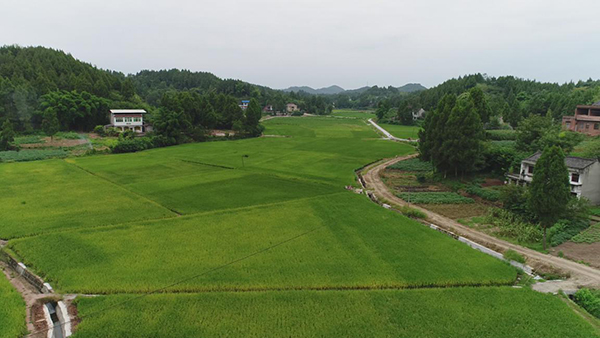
column 581, row 275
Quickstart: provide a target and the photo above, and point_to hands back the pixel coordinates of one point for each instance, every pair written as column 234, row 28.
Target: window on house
column 596, row 126
column 118, row 119
column 575, row 178
column 530, row 169
column 568, row 125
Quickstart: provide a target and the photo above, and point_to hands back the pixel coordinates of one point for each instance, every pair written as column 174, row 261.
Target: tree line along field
column 301, row 245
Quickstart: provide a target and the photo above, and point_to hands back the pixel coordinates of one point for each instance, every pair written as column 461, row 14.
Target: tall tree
column 252, row 120
column 7, row 135
column 480, row 104
column 462, row 145
column 550, row 189
column 50, row 123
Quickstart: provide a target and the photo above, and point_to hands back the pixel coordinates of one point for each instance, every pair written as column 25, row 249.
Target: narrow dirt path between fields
column 387, row 134
column 581, row 275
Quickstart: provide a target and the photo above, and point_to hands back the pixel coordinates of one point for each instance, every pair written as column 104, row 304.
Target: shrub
column 127, row 135
column 486, row 194
column 131, row 146
column 297, row 113
column 113, row 132
column 589, row 300
column 513, row 226
column 99, row 130
column 412, row 212
column 413, row 164
column 514, row 199
column 435, row 198
column 501, row 135
column 512, row 255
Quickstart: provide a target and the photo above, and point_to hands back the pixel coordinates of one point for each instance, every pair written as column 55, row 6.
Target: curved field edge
column 349, row 242
column 456, row 312
column 12, row 310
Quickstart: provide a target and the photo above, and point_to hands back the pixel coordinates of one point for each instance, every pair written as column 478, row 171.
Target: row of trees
column 188, row 115
column 452, row 136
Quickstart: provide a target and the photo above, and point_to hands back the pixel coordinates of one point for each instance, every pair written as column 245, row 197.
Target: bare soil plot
column 588, row 253
column 56, row 143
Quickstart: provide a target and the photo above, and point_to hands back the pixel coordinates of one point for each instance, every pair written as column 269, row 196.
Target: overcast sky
column 280, row 43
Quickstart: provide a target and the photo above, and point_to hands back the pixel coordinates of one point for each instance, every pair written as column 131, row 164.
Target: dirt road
column 581, row 275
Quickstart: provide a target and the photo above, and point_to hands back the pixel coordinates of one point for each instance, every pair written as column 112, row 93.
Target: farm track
column 580, row 275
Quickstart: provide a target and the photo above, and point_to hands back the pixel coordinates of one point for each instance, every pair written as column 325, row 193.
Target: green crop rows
column 458, row 312
column 12, row 310
column 268, row 215
column 435, row 198
column 412, row 165
column 353, row 244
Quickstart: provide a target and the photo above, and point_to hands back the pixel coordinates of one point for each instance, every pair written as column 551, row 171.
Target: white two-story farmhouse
column 584, row 176
column 128, row 119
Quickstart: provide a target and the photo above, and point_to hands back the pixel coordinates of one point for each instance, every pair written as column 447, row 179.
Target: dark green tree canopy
column 550, row 189
column 7, row 135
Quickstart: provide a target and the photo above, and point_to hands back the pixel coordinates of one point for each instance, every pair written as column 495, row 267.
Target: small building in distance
column 268, row 109
column 291, row 107
column 128, row 119
column 584, row 176
column 586, row 120
column 244, row 104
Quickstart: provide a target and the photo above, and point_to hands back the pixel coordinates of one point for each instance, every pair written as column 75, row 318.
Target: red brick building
column 586, row 120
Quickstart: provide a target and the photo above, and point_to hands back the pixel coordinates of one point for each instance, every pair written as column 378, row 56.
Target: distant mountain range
column 332, row 90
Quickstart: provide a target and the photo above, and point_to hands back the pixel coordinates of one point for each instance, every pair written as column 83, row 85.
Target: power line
column 186, row 279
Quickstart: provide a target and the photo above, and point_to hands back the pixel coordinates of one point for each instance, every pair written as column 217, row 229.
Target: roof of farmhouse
column 570, row 161
column 127, row 111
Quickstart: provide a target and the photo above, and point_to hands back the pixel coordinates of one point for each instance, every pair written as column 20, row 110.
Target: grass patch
column 361, row 114
column 435, row 198
column 514, row 256
column 460, row 312
column 412, row 212
column 400, row 131
column 67, row 135
column 12, row 310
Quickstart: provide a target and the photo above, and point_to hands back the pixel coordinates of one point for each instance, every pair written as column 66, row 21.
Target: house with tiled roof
column 584, row 176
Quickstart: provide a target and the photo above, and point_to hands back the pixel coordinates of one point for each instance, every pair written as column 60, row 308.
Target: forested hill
column 39, row 70
column 33, row 79
column 151, row 85
column 335, row 90
column 509, row 97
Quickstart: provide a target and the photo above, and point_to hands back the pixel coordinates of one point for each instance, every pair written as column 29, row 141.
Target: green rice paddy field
column 271, row 246
column 12, row 310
